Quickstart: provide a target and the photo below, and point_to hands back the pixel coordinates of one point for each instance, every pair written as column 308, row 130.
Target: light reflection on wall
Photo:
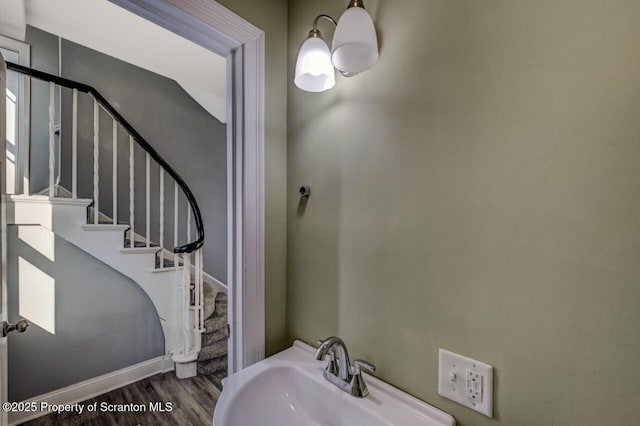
column 40, row 239
column 36, row 296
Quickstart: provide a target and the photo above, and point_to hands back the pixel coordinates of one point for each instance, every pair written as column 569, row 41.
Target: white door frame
column 216, row 28
column 22, row 144
column 4, row 377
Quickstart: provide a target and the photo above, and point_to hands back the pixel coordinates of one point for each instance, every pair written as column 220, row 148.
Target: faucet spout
column 337, row 345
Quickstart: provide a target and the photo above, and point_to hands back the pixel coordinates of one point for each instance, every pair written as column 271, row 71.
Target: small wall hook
column 305, row 191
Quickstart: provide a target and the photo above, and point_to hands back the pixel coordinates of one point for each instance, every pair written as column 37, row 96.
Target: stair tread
column 127, row 243
column 216, row 367
column 220, row 311
column 104, row 227
column 209, row 301
column 167, row 263
column 135, row 250
column 216, row 350
column 220, row 304
column 166, row 269
column 215, row 323
column 46, row 199
column 110, row 222
column 217, row 363
column 209, row 339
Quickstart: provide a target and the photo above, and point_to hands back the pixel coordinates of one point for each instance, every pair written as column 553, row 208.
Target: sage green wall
column 271, row 17
column 479, row 191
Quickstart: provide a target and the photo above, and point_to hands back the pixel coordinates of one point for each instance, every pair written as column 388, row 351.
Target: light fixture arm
column 327, row 17
column 315, row 32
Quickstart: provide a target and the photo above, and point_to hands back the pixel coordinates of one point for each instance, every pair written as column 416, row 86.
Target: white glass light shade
column 355, row 43
column 314, row 71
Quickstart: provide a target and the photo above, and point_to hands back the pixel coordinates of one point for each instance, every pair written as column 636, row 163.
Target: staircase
column 191, row 305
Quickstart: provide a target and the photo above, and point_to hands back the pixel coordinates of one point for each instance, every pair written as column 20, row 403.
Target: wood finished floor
column 193, row 402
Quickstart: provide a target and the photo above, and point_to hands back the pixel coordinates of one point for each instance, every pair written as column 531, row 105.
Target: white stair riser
column 50, row 216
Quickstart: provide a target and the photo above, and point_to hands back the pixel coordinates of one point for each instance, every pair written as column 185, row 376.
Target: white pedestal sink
column 288, row 389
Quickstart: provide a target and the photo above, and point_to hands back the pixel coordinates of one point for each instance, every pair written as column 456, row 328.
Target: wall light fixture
column 354, row 49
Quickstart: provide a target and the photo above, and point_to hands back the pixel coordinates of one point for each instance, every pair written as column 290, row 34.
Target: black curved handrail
column 81, row 87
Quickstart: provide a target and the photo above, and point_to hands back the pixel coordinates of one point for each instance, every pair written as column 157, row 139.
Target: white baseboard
column 91, row 388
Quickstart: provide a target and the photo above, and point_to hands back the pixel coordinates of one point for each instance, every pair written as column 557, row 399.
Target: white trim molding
column 91, row 388
column 24, row 97
column 249, row 177
column 216, row 28
column 4, row 376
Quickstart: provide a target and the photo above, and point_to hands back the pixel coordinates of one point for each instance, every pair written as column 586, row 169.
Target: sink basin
column 293, row 398
column 288, row 389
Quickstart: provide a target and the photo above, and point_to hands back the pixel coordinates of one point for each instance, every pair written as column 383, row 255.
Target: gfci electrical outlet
column 473, row 385
column 466, row 381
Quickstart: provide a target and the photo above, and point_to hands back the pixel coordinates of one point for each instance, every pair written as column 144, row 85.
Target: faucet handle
column 332, row 366
column 358, row 386
column 360, row 364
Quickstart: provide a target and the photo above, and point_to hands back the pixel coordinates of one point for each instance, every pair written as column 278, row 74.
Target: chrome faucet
column 340, row 372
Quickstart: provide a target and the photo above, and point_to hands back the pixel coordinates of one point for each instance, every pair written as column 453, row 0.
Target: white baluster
column 201, row 273
column 131, row 192
column 52, row 139
column 162, row 218
column 188, row 223
column 115, row 172
column 74, row 146
column 175, row 222
column 26, row 145
column 196, row 291
column 176, row 257
column 201, row 289
column 96, row 165
column 180, row 282
column 187, row 302
column 148, row 200
column 187, row 262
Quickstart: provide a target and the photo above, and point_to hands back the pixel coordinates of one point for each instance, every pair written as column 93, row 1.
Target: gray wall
column 271, row 17
column 477, row 190
column 191, row 140
column 104, row 321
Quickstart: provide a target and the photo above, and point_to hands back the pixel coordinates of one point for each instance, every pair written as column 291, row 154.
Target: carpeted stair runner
column 212, row 358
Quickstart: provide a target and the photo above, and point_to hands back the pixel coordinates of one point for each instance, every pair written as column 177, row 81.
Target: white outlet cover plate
column 452, row 374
